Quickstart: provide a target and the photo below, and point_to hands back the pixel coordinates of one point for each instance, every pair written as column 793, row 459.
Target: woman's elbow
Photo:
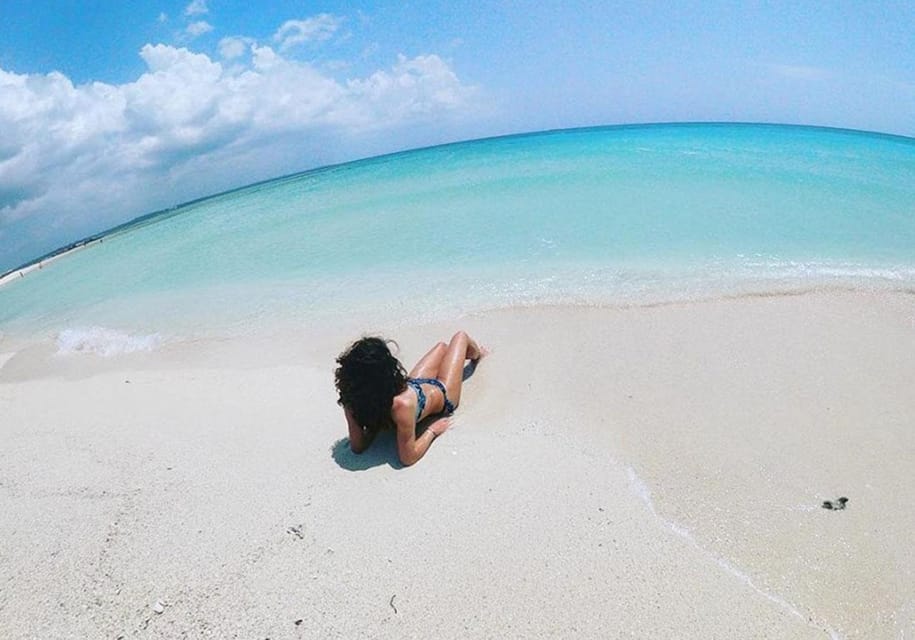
column 407, row 458
column 356, row 447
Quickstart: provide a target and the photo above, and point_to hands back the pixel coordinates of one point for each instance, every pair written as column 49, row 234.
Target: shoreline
column 254, row 326
column 21, row 272
column 634, row 472
column 111, row 346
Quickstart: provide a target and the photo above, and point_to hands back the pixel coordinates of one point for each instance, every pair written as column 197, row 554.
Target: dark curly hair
column 367, row 379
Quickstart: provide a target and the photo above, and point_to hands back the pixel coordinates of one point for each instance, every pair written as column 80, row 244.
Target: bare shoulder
column 403, row 412
column 401, row 405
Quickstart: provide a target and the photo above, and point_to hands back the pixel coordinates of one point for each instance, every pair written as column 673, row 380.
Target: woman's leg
column 451, row 370
column 428, row 365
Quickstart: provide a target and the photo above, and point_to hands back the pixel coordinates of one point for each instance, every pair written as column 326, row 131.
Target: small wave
column 771, row 267
column 104, row 342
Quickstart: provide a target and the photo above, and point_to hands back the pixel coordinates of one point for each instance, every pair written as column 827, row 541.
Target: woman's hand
column 441, row 425
column 359, row 438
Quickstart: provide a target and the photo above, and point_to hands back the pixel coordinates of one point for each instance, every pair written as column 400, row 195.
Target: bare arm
column 359, row 440
column 411, row 448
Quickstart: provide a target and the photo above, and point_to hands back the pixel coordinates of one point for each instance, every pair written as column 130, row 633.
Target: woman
column 377, row 394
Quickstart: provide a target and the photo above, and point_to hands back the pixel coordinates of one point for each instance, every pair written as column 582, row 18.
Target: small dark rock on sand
column 835, row 505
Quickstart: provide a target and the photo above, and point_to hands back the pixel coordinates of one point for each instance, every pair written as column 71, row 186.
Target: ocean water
column 610, row 215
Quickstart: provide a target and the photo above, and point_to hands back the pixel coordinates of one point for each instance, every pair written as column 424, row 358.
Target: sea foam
column 104, row 342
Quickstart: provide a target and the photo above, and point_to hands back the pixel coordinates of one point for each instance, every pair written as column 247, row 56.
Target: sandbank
column 21, row 272
column 640, row 472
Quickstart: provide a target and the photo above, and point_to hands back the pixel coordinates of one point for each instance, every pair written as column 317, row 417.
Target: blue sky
column 110, row 110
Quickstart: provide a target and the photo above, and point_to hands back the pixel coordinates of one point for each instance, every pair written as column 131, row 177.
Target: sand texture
column 642, row 472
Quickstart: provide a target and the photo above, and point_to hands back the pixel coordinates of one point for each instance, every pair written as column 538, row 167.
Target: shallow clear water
column 603, row 215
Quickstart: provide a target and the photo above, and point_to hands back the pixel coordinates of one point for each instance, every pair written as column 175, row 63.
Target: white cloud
column 199, row 28
column 75, row 159
column 196, row 8
column 234, row 47
column 315, row 29
column 264, row 58
column 163, row 17
column 419, row 85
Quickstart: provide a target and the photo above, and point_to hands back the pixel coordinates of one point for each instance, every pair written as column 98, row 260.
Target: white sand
column 21, row 273
column 613, row 473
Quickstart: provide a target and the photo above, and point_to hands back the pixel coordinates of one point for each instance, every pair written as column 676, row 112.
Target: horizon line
column 161, row 214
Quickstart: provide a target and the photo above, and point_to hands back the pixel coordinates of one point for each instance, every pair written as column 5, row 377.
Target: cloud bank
column 75, row 160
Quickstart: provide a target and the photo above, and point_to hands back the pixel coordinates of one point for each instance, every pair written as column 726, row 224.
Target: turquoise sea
column 609, row 215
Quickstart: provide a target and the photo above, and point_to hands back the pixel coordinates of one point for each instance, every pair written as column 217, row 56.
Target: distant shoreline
column 146, row 218
column 20, row 272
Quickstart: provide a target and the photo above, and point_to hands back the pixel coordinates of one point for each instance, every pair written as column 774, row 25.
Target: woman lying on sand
column 377, row 394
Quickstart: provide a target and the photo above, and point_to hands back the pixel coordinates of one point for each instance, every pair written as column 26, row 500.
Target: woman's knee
column 458, row 337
